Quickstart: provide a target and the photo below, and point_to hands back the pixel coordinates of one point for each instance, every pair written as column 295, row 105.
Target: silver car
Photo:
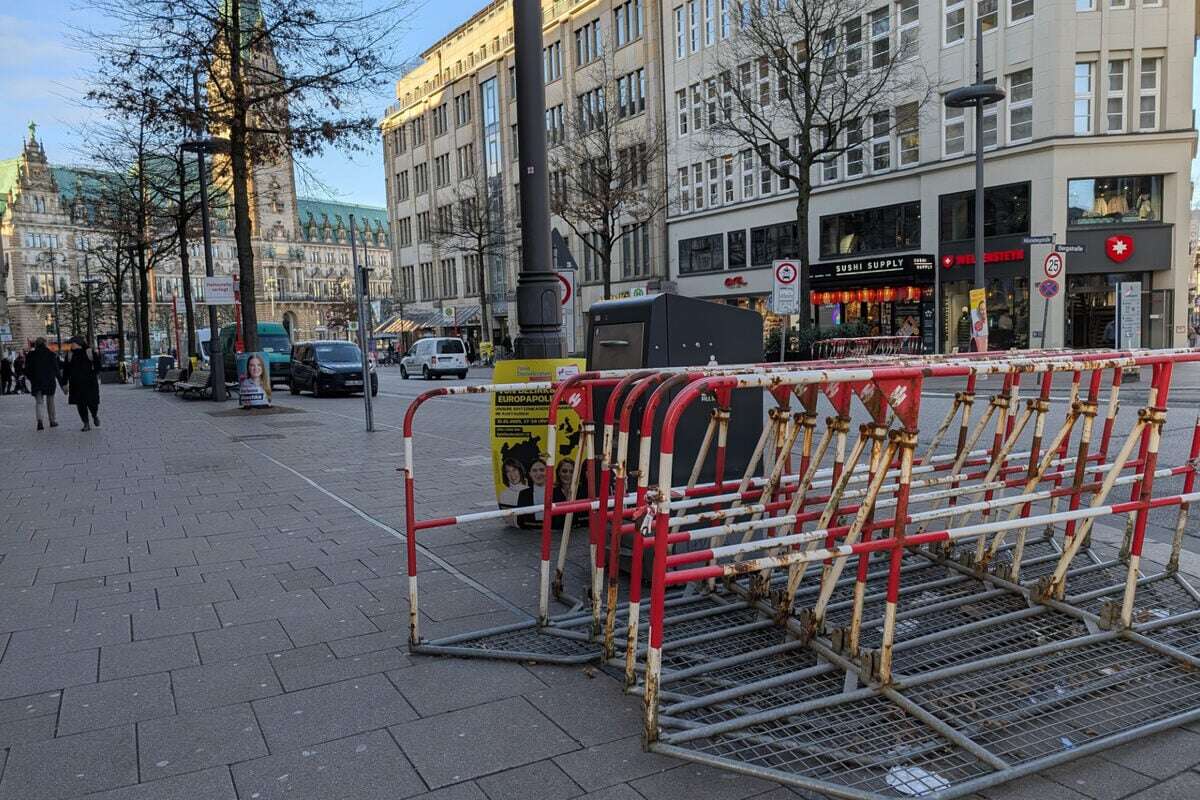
column 434, row 357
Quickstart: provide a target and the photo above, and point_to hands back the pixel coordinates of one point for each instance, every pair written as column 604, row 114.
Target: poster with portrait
column 979, row 320
column 254, row 380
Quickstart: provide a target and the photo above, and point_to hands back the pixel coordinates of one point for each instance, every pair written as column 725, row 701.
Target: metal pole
column 539, row 313
column 360, row 286
column 87, row 282
column 216, row 360
column 979, row 280
column 54, row 280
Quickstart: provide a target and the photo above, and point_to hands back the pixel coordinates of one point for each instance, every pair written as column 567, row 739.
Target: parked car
column 273, row 340
column 326, row 367
column 435, row 357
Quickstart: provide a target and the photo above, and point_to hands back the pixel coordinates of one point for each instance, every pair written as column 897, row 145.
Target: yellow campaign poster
column 519, row 458
column 979, row 320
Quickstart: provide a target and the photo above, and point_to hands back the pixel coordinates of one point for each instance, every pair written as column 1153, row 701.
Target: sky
column 43, row 77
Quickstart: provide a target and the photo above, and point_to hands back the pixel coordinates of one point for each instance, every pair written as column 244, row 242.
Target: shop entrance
column 1091, row 311
column 1008, row 314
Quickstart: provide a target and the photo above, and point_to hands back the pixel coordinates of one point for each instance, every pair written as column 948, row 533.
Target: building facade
column 1092, row 144
column 454, row 124
column 304, row 277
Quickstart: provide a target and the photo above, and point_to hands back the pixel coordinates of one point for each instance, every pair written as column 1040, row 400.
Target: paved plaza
column 196, row 603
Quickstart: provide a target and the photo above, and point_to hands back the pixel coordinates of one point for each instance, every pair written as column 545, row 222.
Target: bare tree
column 112, row 253
column 284, row 77
column 802, row 82
column 472, row 226
column 605, row 183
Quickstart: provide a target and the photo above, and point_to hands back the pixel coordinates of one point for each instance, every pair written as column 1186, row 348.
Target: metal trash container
column 148, row 369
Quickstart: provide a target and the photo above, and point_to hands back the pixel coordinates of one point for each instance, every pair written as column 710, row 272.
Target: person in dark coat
column 83, row 384
column 41, row 367
column 6, row 374
column 19, row 374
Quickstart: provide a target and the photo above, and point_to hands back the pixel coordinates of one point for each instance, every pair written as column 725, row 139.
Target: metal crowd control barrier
column 863, row 346
column 867, row 615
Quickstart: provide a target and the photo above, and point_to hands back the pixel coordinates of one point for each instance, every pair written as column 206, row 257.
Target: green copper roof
column 316, row 212
column 8, row 179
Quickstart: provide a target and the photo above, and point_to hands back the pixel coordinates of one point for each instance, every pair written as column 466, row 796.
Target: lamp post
column 89, row 282
column 54, row 295
column 979, row 96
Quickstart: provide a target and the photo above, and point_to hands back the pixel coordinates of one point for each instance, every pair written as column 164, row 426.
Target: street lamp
column 54, row 295
column 978, row 96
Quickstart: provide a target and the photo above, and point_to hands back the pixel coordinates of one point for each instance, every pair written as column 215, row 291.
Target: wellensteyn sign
column 909, row 267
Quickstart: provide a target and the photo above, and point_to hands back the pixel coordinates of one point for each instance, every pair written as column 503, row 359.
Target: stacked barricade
column 869, row 613
column 864, row 346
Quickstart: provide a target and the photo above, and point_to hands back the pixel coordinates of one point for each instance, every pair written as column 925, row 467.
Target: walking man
column 83, row 386
column 41, row 366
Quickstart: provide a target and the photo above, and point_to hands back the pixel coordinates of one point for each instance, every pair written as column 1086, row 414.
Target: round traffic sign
column 1053, row 265
column 566, row 295
column 786, row 272
column 1048, row 288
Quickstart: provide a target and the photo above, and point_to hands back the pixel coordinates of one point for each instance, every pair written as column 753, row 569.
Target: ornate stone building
column 301, row 248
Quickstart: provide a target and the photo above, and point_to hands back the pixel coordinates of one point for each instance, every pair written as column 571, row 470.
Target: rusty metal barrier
column 863, row 346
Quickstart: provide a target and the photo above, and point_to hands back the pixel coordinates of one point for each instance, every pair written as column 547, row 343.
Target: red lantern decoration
column 887, row 294
column 847, row 296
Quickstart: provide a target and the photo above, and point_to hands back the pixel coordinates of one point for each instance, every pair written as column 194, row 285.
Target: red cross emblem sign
column 1118, row 248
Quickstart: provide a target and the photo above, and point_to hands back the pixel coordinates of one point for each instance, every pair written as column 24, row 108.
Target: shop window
column 701, row 254
column 1005, row 213
column 1113, row 201
column 736, row 247
column 872, row 230
column 773, row 242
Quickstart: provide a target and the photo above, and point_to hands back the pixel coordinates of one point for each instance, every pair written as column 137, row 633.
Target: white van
column 434, row 357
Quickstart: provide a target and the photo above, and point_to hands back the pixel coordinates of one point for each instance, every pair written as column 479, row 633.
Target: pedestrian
column 19, row 374
column 83, row 384
column 6, row 374
column 41, row 367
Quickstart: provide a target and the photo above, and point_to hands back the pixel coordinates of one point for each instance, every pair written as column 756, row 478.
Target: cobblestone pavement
column 199, row 604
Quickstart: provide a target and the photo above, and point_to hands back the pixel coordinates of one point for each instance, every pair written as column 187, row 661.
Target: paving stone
column 1031, row 787
column 347, row 571
column 311, row 627
column 697, row 780
column 224, row 683
column 1161, row 755
column 459, row 791
column 83, row 635
column 174, row 620
column 613, row 762
column 197, row 740
column 1098, row 778
column 195, row 594
column 368, row 766
column 514, row 784
column 22, row 676
column 331, row 712
column 256, row 586
column 257, row 609
column 572, row 706
column 622, row 791
column 466, row 744
column 208, row 784
column 101, row 705
column 34, row 705
column 90, row 569
column 475, row 681
column 21, row 731
column 239, row 641
column 311, row 578
column 331, row 669
column 71, row 766
column 143, row 657
column 357, row 645
column 1185, row 786
column 118, row 595
column 346, row 595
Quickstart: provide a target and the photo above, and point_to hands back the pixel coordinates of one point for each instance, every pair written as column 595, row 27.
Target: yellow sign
column 519, row 459
column 979, row 320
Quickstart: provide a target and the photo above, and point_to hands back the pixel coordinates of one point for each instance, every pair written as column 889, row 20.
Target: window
column 727, row 178
column 680, row 33
column 908, row 134
column 441, row 170
column 701, row 254
column 635, row 251
column 407, row 284
column 428, row 284
column 991, row 133
column 445, row 219
column 512, row 82
column 698, row 186
column 1020, row 106
column 552, row 62
column 555, row 130
column 441, row 117
column 908, row 20
column 685, row 189
column 462, row 109
column 449, row 277
column 404, row 228
column 747, row 157
column 852, row 33
column 854, row 150
column 1114, row 101
column 402, row 185
column 516, row 150
column 954, row 22
column 694, row 25
column 421, row 178
column 724, row 5
column 466, row 160
column 1114, row 201
column 587, row 43
column 872, row 230
column 773, row 242
column 710, row 29
column 881, row 37
column 881, row 141
column 954, row 131
column 989, row 13
column 764, row 170
column 627, row 22
column 470, row 275
column 590, row 106
column 633, row 166
column 710, row 102
column 400, row 139
column 418, row 132
column 682, row 110
column 1019, row 10
column 631, row 93
column 1148, row 81
column 590, row 245
column 1085, row 5
column 1084, row 92
column 697, row 107
column 735, row 244
column 1005, row 213
column 558, row 188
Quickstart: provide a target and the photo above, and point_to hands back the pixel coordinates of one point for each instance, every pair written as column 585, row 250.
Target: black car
column 328, row 367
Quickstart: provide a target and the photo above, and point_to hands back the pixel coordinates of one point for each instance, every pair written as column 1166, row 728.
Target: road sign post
column 785, row 298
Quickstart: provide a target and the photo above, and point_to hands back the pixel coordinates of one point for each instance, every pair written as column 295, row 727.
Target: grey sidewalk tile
column 85, row 635
column 357, row 645
column 239, row 641
column 71, row 765
column 23, row 731
column 347, row 571
column 224, row 683
column 309, row 578
column 195, row 594
column 257, row 609
column 515, row 784
column 697, row 780
column 117, row 596
column 1182, row 787
column 368, row 766
column 199, row 739
column 173, row 621
column 143, row 657
column 613, row 762
column 1031, row 787
column 208, row 784
column 459, row 791
column 326, row 625
column 331, row 669
column 22, row 676
column 331, row 712
column 572, row 706
column 101, row 705
column 466, row 744
column 256, row 586
column 1098, row 778
column 34, row 705
column 346, row 595
column 1161, row 755
column 475, row 681
column 89, row 569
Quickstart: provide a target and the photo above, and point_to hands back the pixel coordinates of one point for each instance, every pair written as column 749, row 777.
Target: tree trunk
column 606, row 267
column 240, row 171
column 143, row 304
column 118, row 304
column 485, row 320
column 802, row 200
column 182, row 219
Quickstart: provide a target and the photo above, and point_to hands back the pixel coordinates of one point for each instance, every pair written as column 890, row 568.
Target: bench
column 199, row 383
column 168, row 381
